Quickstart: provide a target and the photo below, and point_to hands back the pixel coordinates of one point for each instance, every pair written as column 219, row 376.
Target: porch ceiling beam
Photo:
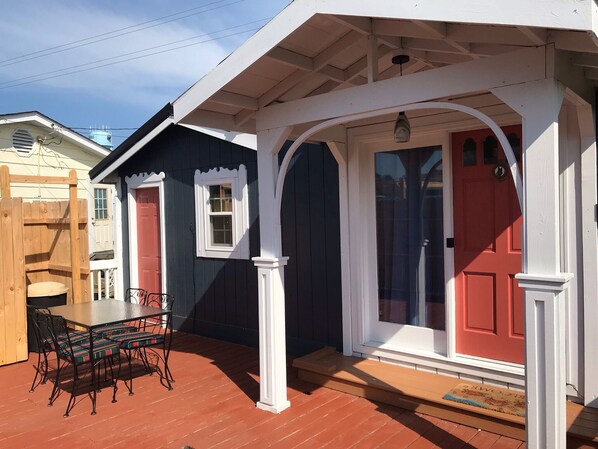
column 439, row 83
column 586, row 60
column 243, row 117
column 363, row 25
column 492, row 34
column 324, row 88
column 573, row 40
column 439, row 59
column 537, row 36
column 439, row 46
column 291, row 58
column 324, row 57
column 216, row 120
column 438, row 30
column 395, row 70
column 305, row 63
column 372, row 59
column 400, row 28
column 233, row 99
column 591, row 73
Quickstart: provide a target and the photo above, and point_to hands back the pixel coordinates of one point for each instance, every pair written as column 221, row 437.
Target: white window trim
column 145, row 181
column 238, row 181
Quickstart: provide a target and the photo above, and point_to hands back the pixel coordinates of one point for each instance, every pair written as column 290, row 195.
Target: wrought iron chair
column 76, row 352
column 38, row 319
column 132, row 295
column 153, row 332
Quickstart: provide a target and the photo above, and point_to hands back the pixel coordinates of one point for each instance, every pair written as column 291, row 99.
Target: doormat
column 497, row 399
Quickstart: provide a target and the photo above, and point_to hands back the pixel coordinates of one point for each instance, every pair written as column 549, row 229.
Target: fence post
column 74, row 229
column 4, row 182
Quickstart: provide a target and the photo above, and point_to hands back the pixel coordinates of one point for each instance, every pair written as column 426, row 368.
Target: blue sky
column 51, row 50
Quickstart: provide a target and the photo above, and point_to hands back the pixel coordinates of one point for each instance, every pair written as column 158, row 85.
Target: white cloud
column 30, row 27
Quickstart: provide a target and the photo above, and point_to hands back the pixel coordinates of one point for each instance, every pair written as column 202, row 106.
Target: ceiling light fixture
column 402, row 131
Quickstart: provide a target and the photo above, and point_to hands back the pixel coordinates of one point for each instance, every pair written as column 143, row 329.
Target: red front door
column 489, row 303
column 148, row 239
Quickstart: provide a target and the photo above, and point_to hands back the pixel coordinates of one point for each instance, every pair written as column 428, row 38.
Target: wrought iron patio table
column 96, row 314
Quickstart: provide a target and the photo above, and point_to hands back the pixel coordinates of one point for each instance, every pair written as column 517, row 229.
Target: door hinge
column 450, row 242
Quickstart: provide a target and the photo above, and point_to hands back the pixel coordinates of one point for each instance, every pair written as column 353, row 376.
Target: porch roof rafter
column 282, row 62
column 440, row 83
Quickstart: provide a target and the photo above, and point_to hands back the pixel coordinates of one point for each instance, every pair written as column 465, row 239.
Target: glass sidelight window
column 410, row 238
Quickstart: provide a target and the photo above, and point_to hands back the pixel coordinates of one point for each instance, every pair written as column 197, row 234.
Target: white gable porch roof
column 318, row 46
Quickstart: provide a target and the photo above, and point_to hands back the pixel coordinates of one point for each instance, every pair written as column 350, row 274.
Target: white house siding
column 46, row 160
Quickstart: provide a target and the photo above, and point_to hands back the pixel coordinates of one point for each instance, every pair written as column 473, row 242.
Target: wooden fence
column 13, row 321
column 39, row 242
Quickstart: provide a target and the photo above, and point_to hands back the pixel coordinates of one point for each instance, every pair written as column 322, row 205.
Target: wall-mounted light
column 402, row 131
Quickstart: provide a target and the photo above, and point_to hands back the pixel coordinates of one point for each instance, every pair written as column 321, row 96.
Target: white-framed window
column 100, row 204
column 22, row 142
column 221, row 213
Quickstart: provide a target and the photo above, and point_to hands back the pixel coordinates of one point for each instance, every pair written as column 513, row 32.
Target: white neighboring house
column 33, row 144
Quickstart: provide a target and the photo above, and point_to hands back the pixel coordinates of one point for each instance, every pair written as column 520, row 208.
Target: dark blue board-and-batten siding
column 218, row 297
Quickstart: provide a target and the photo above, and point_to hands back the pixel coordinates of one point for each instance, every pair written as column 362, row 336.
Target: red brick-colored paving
column 212, row 405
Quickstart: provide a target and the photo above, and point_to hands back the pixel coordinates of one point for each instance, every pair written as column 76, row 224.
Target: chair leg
column 37, row 368
column 130, row 386
column 115, row 379
column 54, row 393
column 46, row 367
column 167, row 373
column 71, row 402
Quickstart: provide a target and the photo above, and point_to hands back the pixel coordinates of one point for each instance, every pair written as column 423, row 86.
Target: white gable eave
column 86, row 145
column 291, row 18
column 132, row 151
column 557, row 14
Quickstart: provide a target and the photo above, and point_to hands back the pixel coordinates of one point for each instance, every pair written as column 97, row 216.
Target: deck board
column 423, row 392
column 213, row 405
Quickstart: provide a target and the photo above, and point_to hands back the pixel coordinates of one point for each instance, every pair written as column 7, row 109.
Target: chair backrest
column 59, row 331
column 39, row 323
column 162, row 301
column 136, row 296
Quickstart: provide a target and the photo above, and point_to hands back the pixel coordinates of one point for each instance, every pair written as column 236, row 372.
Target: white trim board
column 144, row 181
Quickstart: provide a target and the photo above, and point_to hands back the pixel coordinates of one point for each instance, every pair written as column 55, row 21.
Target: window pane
column 100, row 204
column 490, row 150
column 469, row 153
column 410, row 239
column 515, row 144
column 221, row 198
column 222, row 230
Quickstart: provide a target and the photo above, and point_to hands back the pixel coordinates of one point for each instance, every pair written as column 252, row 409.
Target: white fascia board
column 561, row 14
column 258, row 45
column 243, row 139
column 470, row 77
column 86, row 144
column 131, row 151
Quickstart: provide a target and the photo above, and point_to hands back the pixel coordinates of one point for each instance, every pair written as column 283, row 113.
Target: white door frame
column 363, row 144
column 145, row 181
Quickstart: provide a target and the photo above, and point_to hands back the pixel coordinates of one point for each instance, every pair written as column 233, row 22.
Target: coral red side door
column 148, row 239
column 488, row 221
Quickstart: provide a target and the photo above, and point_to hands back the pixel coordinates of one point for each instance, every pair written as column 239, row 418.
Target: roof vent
column 22, row 142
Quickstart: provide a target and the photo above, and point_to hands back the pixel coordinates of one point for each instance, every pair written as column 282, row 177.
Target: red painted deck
column 212, row 405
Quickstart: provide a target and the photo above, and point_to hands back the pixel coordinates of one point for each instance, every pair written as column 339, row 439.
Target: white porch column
column 539, row 103
column 273, row 366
